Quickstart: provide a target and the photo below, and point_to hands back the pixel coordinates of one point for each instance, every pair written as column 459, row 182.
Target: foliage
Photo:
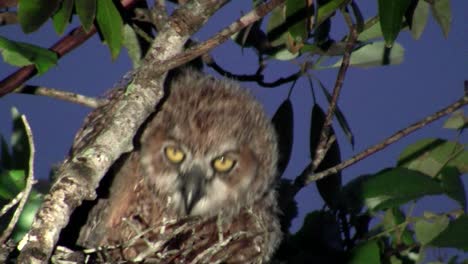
column 367, row 220
column 14, row 166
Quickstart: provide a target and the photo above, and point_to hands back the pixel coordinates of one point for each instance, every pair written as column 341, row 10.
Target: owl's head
column 210, row 148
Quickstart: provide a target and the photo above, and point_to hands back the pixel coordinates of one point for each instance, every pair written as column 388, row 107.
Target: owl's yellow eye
column 174, row 154
column 223, row 164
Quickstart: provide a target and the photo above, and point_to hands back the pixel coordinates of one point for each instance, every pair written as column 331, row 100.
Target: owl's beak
column 192, row 187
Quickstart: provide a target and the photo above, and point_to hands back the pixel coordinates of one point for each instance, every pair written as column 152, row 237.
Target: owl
column 199, row 186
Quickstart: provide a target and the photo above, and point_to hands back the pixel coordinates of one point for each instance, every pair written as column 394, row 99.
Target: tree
column 295, row 30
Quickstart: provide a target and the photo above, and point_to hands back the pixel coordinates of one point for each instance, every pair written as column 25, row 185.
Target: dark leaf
column 287, row 204
column 33, row 13
column 391, row 18
column 358, row 16
column 454, row 236
column 62, row 17
column 453, row 185
column 283, row 121
column 320, row 231
column 5, row 157
column 86, row 10
column 330, row 186
column 339, row 116
column 110, row 25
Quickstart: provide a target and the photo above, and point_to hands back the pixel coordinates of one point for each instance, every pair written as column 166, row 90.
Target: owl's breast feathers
column 136, row 225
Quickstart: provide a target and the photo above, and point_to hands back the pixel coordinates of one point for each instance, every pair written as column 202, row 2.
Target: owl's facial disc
column 192, row 187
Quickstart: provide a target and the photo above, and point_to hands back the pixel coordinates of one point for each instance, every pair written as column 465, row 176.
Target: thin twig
column 61, row 95
column 27, row 188
column 258, row 77
column 324, row 134
column 12, row 203
column 310, row 177
column 323, row 144
column 202, row 48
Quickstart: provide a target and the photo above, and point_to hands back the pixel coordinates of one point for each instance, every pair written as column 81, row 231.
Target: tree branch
column 8, row 18
column 74, row 39
column 109, row 132
column 309, row 176
column 61, row 95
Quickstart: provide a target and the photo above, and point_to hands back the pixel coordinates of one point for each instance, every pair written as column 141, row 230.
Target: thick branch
column 309, row 176
column 8, row 18
column 100, row 146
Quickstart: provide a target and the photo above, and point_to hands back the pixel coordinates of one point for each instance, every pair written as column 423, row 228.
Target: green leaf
column 86, row 11
column 328, row 9
column 62, row 17
column 420, row 16
column 454, row 236
column 453, row 185
column 427, row 230
column 33, row 13
column 130, row 41
column 367, row 252
column 391, row 18
column 339, row 116
column 283, row 121
column 110, row 24
column 392, row 218
column 330, row 186
column 11, row 183
column 374, row 190
column 27, row 215
column 19, row 142
column 442, row 14
column 431, row 155
column 296, row 18
column 375, row 54
column 373, row 32
column 21, row 54
column 276, row 30
column 457, row 120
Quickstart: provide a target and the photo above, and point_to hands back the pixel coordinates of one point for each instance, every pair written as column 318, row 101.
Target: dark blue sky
column 376, row 101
